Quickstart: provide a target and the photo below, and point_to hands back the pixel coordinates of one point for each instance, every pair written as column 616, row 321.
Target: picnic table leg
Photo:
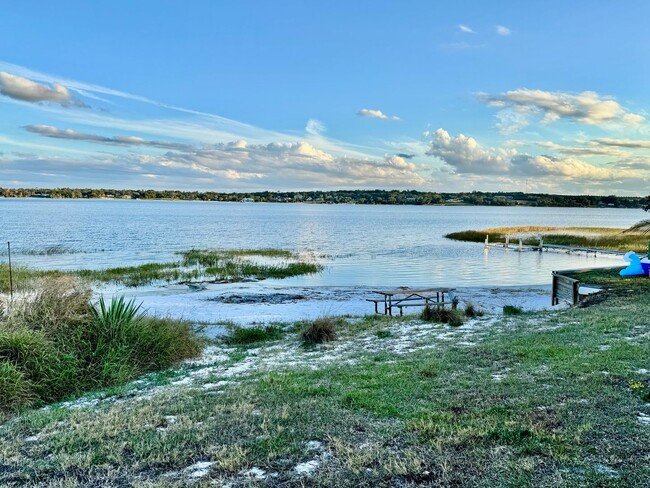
column 390, row 306
column 376, row 308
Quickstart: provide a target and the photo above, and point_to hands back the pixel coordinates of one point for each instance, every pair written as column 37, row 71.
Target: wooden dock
column 520, row 247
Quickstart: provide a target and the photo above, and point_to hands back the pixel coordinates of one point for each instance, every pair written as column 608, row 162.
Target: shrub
column 55, row 344
column 512, row 310
column 319, row 331
column 250, row 335
column 472, row 311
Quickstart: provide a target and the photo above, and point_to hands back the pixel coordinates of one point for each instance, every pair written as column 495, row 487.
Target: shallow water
column 363, row 245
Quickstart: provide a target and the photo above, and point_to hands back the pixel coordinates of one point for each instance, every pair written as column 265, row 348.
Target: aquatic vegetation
column 195, row 265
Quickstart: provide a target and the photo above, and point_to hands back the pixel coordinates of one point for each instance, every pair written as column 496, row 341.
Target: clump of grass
column 442, row 315
column 384, row 334
column 55, row 344
column 472, row 311
column 512, row 310
column 319, row 331
column 23, row 277
column 251, row 335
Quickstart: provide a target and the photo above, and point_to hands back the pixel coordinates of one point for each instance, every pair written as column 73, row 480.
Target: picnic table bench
column 407, row 297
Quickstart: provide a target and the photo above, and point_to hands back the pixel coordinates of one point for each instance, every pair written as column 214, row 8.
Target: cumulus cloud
column 277, row 163
column 26, row 90
column 502, row 30
column 376, row 114
column 466, row 156
column 587, row 107
column 466, row 29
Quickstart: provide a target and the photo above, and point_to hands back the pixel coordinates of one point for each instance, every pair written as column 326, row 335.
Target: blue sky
column 234, row 96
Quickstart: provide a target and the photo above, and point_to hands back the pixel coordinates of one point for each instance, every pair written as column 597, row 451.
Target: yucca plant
column 114, row 321
column 119, row 312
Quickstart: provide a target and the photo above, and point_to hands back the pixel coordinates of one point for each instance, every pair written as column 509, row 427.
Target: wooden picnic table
column 407, row 297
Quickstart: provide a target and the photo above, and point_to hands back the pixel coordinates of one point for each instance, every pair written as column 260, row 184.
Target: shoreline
column 247, row 304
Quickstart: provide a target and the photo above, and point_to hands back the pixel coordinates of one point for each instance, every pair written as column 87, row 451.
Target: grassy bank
column 537, row 399
column 54, row 344
column 592, row 237
column 194, row 265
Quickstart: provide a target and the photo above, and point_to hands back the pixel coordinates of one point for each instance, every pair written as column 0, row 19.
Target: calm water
column 365, row 245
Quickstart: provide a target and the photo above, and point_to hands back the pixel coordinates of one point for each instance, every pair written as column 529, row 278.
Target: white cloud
column 276, row 164
column 69, row 134
column 315, row 127
column 376, row 114
column 466, row 156
column 626, row 143
column 502, row 30
column 466, row 29
column 587, row 107
column 26, row 90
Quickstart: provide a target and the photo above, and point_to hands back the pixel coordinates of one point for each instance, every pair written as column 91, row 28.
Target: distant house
column 247, row 200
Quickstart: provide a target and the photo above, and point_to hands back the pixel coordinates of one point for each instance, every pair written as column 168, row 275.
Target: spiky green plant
column 118, row 313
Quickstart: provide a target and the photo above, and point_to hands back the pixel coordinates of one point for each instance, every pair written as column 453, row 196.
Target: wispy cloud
column 466, row 29
column 503, row 30
column 376, row 114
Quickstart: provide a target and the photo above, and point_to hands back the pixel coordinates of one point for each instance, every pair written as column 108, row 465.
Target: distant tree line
column 369, row 197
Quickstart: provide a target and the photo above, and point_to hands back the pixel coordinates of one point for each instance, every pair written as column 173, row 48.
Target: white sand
column 213, row 305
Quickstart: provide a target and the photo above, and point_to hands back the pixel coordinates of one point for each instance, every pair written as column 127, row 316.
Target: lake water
column 363, row 245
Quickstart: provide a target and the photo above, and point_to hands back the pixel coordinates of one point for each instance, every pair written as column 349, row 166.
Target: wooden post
column 487, row 241
column 507, row 242
column 11, row 276
column 541, row 243
column 521, row 245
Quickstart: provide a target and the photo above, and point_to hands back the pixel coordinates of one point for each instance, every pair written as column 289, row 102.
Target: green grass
column 562, row 413
column 195, row 265
column 509, row 310
column 250, row 335
column 594, row 237
column 55, row 345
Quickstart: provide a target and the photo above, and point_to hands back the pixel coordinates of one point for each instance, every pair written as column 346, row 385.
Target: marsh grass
column 195, row 265
column 55, row 345
column 591, row 237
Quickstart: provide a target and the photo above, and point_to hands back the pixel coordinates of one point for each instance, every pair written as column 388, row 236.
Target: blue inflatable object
column 634, row 268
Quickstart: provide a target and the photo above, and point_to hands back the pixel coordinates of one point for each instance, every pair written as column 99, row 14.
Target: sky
column 543, row 96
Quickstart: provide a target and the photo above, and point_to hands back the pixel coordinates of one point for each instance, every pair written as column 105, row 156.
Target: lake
column 359, row 245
